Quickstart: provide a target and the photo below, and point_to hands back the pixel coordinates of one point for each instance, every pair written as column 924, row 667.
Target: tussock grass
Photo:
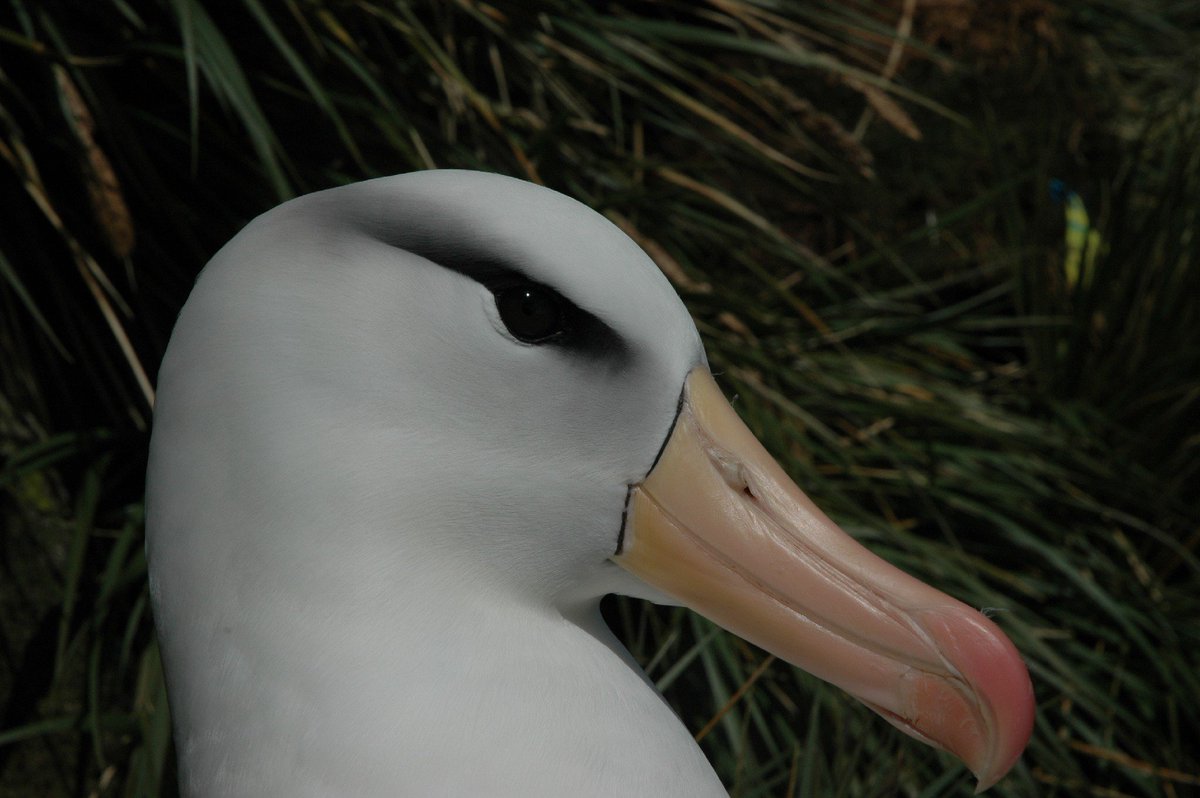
column 852, row 199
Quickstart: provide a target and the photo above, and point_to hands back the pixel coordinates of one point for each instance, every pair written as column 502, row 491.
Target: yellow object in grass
column 1082, row 240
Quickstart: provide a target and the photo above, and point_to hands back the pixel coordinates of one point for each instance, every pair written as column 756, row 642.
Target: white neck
column 418, row 688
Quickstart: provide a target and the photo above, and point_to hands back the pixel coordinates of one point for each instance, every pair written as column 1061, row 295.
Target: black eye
column 532, row 313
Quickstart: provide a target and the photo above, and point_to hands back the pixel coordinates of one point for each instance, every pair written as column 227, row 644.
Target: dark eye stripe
column 583, row 333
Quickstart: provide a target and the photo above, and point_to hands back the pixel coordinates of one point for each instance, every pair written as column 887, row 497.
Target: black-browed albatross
column 408, row 433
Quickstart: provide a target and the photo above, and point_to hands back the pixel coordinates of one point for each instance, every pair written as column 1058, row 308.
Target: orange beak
column 719, row 526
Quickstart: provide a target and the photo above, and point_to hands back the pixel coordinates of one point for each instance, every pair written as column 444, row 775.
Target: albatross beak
column 719, row 526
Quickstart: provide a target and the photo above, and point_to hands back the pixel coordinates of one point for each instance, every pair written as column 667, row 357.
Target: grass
column 852, row 199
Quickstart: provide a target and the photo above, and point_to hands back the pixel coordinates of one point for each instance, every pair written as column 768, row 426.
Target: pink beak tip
column 992, row 669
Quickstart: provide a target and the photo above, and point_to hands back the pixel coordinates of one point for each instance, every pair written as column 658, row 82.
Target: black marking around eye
column 584, row 333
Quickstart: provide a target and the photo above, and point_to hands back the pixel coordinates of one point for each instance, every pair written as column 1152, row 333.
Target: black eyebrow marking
column 586, row 333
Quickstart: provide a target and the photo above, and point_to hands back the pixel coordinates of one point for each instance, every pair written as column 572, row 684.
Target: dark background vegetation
column 852, row 198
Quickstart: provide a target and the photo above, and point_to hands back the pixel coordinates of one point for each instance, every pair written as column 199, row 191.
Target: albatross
column 409, row 433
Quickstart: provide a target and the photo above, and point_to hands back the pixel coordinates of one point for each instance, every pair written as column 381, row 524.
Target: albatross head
column 409, row 432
